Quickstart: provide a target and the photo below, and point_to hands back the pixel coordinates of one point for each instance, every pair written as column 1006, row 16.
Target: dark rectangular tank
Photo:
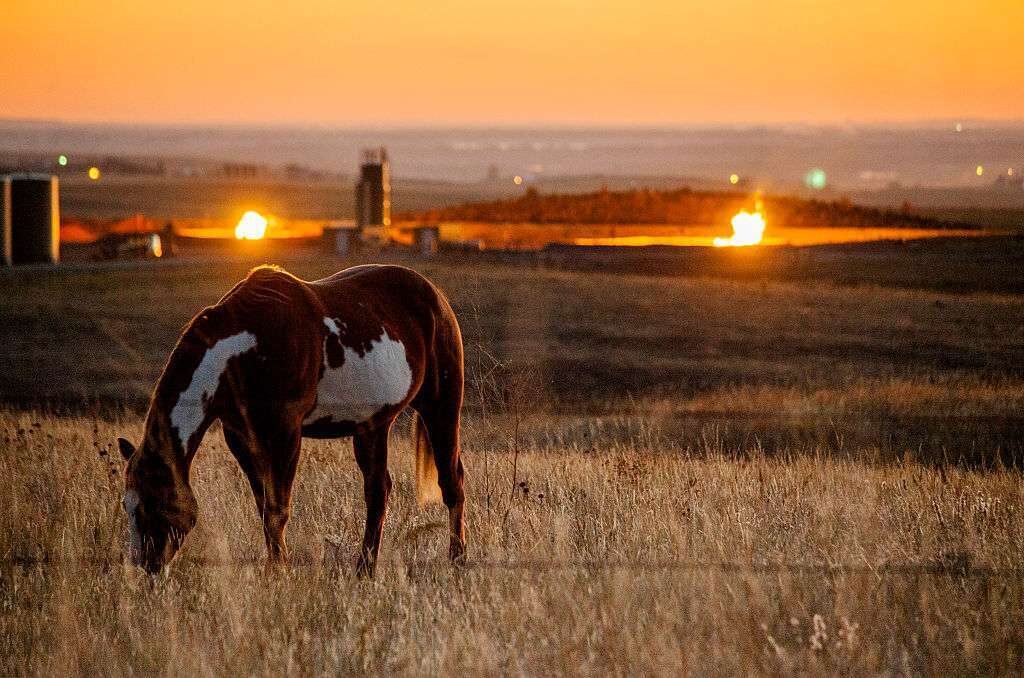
column 5, row 221
column 35, row 219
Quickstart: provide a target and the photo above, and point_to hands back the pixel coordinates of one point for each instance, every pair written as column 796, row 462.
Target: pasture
column 664, row 475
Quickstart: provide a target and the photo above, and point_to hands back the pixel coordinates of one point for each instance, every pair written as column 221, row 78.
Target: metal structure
column 373, row 195
column 5, row 221
column 338, row 239
column 427, row 239
column 35, row 219
column 130, row 246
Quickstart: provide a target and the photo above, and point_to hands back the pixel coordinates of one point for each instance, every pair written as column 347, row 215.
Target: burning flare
column 747, row 229
column 252, row 226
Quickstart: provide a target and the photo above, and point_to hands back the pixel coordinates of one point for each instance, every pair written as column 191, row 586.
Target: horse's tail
column 427, row 489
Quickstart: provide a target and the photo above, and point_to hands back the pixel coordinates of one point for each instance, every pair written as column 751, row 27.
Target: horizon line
column 921, row 123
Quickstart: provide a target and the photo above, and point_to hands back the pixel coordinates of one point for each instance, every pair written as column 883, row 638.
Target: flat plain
column 705, row 475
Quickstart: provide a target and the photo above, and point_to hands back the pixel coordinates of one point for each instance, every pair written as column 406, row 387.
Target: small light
column 959, row 127
column 979, row 170
column 1009, row 172
column 517, row 180
column 62, row 160
column 816, row 179
column 94, row 173
column 734, row 179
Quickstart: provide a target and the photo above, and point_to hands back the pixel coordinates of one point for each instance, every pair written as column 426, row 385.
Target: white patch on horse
column 131, row 507
column 190, row 410
column 362, row 385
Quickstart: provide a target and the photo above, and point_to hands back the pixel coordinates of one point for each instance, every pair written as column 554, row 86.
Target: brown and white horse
column 279, row 358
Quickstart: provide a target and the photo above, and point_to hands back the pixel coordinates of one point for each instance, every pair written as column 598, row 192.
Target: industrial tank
column 5, row 221
column 373, row 192
column 35, row 219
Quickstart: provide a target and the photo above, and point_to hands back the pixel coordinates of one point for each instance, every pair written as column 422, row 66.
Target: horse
column 278, row 359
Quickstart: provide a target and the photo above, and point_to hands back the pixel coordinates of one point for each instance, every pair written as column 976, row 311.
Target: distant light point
column 1009, row 172
column 734, row 179
column 517, row 180
column 959, row 127
column 94, row 173
column 979, row 170
column 62, row 160
column 816, row 179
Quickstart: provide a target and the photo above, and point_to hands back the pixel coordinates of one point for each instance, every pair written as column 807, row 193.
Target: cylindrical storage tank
column 5, row 221
column 426, row 240
column 35, row 219
column 343, row 241
column 337, row 240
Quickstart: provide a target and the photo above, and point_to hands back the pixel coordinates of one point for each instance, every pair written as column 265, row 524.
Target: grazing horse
column 279, row 358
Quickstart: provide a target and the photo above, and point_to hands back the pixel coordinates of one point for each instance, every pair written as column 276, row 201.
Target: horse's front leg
column 371, row 448
column 269, row 462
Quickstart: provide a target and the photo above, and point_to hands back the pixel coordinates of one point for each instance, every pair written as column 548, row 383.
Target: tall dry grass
column 624, row 558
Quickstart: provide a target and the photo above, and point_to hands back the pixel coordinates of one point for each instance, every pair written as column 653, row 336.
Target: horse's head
column 160, row 507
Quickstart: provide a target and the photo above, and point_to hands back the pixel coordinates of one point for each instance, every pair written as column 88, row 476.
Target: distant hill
column 679, row 206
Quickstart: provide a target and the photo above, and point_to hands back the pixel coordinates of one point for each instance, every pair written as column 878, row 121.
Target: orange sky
column 517, row 61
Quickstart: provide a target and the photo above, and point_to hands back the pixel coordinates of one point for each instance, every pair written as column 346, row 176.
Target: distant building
column 133, row 166
column 1012, row 178
column 239, row 170
column 295, row 171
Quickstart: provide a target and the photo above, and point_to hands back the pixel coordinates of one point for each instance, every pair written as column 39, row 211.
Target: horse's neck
column 164, row 446
column 176, row 421
column 186, row 399
column 163, row 466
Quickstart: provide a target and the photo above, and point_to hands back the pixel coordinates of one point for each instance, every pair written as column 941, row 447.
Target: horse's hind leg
column 371, row 448
column 442, row 424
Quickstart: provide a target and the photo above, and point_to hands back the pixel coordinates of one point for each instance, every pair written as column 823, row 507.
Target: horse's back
column 379, row 278
column 374, row 295
column 388, row 290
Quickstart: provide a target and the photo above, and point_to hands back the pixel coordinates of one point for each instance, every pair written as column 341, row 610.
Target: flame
column 252, row 226
column 747, row 229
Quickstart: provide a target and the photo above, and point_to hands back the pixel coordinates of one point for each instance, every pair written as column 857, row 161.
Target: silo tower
column 373, row 195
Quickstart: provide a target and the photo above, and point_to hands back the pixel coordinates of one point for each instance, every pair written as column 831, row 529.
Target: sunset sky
column 602, row 62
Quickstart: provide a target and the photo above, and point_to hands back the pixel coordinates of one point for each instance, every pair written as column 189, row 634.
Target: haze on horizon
column 606, row 62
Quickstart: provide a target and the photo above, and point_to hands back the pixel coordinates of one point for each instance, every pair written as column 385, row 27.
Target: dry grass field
column 664, row 476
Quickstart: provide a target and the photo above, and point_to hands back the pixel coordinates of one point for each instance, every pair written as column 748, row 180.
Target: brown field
column 665, row 475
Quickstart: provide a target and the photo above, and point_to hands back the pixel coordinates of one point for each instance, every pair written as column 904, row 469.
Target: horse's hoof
column 364, row 569
column 457, row 553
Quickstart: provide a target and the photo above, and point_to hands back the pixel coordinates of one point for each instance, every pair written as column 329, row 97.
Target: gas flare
column 747, row 229
column 252, row 226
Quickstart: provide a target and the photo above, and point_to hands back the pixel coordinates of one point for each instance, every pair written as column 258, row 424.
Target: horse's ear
column 127, row 449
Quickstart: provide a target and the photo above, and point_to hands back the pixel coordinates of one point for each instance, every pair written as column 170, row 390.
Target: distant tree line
column 681, row 206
